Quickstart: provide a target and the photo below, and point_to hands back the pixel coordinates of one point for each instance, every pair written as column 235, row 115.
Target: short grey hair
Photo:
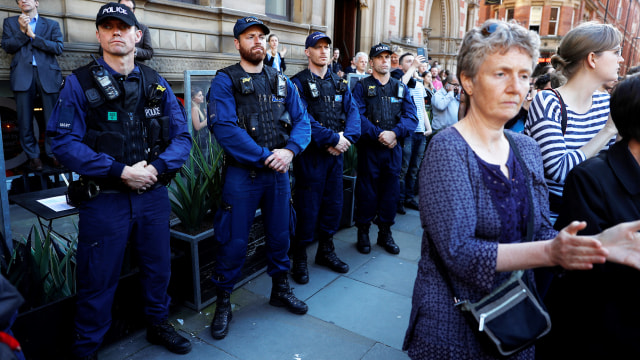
column 361, row 54
column 492, row 37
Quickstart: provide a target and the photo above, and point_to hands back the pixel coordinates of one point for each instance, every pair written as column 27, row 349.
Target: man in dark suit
column 35, row 42
column 144, row 50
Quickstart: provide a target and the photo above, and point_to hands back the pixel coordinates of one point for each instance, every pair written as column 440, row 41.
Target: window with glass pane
column 554, row 15
column 509, row 14
column 279, row 9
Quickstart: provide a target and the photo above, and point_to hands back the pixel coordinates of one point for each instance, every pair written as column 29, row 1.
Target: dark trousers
column 317, row 193
column 378, row 185
column 244, row 192
column 24, row 107
column 418, row 143
column 106, row 224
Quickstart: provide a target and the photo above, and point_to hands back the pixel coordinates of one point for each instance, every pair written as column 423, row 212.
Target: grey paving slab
column 200, row 351
column 388, row 272
column 409, row 245
column 198, row 323
column 383, row 352
column 409, row 223
column 125, row 348
column 364, row 309
column 267, row 333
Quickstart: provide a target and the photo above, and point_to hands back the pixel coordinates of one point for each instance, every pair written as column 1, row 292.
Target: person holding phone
column 445, row 104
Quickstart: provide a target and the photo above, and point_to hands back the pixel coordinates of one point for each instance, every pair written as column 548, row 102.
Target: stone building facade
column 198, row 34
column 554, row 18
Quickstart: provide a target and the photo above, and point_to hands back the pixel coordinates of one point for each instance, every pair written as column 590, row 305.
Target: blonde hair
column 577, row 44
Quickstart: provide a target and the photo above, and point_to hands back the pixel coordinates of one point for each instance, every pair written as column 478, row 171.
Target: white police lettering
column 64, row 125
column 251, row 19
column 110, row 10
column 152, row 112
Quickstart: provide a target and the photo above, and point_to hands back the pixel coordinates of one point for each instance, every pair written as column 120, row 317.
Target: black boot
column 363, row 244
column 299, row 270
column 326, row 254
column 400, row 208
column 386, row 240
column 282, row 296
column 412, row 204
column 222, row 316
column 164, row 334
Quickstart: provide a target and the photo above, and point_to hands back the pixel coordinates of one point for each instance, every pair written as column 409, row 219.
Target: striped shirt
column 418, row 93
column 561, row 153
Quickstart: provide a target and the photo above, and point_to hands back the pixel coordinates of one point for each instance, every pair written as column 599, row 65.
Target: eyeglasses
column 488, row 30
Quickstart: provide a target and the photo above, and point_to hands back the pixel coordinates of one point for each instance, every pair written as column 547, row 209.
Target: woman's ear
column 467, row 83
column 591, row 60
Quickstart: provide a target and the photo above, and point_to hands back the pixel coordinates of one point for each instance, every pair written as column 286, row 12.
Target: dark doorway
column 346, row 31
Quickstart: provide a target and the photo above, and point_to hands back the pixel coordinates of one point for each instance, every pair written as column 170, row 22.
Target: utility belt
column 253, row 171
column 87, row 188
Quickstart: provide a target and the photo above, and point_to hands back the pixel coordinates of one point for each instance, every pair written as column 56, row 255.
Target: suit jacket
column 47, row 44
column 144, row 50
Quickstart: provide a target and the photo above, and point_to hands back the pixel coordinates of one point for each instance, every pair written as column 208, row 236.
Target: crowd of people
column 571, row 152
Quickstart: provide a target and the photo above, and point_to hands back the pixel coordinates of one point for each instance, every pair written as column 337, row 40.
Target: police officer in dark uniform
column 335, row 125
column 119, row 126
column 257, row 117
column 388, row 116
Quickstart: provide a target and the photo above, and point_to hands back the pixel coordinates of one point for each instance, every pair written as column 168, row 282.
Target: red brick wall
column 392, row 15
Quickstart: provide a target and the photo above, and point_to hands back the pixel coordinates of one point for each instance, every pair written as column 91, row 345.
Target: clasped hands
column 388, row 139
column 24, row 21
column 279, row 160
column 342, row 146
column 139, row 176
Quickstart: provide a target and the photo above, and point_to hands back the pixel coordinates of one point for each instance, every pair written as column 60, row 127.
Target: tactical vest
column 383, row 103
column 131, row 128
column 325, row 99
column 260, row 105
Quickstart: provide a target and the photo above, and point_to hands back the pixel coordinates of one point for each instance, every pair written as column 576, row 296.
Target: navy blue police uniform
column 97, row 138
column 318, row 193
column 382, row 107
column 251, row 115
column 248, row 127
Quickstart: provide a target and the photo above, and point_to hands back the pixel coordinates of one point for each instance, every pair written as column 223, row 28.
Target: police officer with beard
column 335, row 125
column 388, row 115
column 118, row 124
column 257, row 117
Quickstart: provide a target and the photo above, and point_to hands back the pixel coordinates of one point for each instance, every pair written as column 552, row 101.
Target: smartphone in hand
column 423, row 52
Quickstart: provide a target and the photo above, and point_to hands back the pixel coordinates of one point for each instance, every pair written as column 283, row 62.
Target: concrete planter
column 195, row 264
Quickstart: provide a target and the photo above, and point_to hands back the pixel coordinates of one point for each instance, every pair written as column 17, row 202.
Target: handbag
column 512, row 317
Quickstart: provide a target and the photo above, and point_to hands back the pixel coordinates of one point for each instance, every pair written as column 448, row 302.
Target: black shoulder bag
column 512, row 317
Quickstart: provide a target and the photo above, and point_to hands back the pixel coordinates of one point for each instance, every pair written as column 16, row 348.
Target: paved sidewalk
column 360, row 315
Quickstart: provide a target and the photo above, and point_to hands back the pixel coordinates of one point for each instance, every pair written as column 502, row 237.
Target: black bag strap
column 438, row 259
column 563, row 112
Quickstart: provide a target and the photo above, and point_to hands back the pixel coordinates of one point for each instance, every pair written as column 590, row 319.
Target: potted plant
column 196, row 194
column 350, row 164
column 43, row 269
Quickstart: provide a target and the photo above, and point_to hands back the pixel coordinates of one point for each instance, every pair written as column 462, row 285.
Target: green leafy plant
column 350, row 161
column 43, row 268
column 197, row 188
